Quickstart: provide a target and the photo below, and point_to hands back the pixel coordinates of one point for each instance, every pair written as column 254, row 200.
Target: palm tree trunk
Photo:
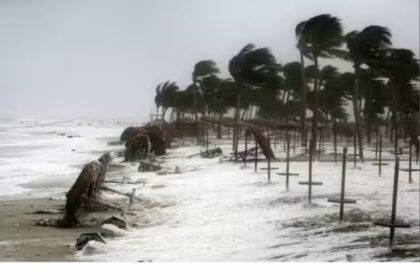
column 196, row 114
column 219, row 126
column 316, row 106
column 236, row 123
column 387, row 122
column 243, row 114
column 357, row 112
column 304, row 98
column 368, row 117
column 395, row 90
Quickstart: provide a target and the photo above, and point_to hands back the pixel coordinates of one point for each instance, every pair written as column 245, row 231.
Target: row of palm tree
column 260, row 87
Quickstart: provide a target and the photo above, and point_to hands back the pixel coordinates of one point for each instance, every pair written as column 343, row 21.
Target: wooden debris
column 146, row 166
column 116, row 221
column 84, row 238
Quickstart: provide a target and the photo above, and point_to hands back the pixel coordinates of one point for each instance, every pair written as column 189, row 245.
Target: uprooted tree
column 262, row 141
column 137, row 141
column 84, row 196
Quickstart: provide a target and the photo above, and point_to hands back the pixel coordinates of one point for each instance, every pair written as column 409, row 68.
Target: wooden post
column 393, row 223
column 343, row 183
column 130, row 201
column 410, row 178
column 342, row 200
column 269, row 162
column 335, row 142
column 377, row 144
column 294, row 140
column 269, row 169
column 246, row 148
column 311, row 146
column 355, row 148
column 287, row 161
column 256, row 155
column 275, row 138
column 319, row 143
column 207, row 138
column 380, row 156
column 394, row 201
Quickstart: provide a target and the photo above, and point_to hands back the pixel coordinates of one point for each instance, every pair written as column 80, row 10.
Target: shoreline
column 21, row 240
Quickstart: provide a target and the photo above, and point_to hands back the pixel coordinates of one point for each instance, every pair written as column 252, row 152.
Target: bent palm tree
column 401, row 68
column 303, row 88
column 163, row 96
column 251, row 67
column 320, row 36
column 366, row 46
column 202, row 69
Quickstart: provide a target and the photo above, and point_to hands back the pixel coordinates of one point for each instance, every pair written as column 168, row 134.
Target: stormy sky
column 104, row 58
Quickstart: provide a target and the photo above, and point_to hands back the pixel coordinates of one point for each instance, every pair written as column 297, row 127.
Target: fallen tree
column 262, row 141
column 135, row 139
column 84, row 196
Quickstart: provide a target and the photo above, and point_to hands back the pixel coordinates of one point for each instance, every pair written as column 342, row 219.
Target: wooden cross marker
column 393, row 223
column 310, row 183
column 410, row 169
column 288, row 174
column 269, row 168
column 342, row 200
column 380, row 157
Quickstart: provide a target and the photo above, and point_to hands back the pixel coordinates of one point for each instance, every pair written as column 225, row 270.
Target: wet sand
column 22, row 240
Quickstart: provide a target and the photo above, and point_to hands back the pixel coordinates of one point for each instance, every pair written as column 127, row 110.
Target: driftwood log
column 85, row 193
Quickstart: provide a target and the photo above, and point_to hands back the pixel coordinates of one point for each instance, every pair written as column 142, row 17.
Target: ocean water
column 221, row 211
column 218, row 211
column 47, row 149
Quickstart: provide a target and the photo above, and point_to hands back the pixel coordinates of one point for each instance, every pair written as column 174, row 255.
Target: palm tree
column 366, row 46
column 163, row 95
column 400, row 66
column 202, row 69
column 304, row 90
column 320, row 36
column 251, row 67
column 219, row 95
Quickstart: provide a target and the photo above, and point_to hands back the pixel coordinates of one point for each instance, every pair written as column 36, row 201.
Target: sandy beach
column 22, row 241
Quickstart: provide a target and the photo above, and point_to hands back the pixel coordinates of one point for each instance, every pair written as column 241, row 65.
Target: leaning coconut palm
column 163, row 96
column 251, row 67
column 401, row 67
column 202, row 69
column 320, row 36
column 366, row 46
column 303, row 88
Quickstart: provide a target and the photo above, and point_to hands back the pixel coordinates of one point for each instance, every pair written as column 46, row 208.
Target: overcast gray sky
column 103, row 58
